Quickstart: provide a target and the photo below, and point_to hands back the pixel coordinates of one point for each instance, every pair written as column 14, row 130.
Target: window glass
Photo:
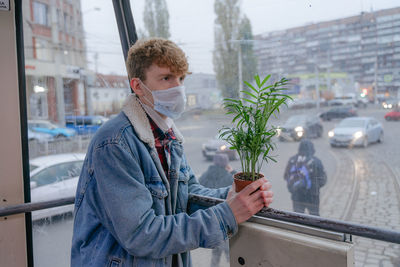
column 40, row 13
column 336, row 54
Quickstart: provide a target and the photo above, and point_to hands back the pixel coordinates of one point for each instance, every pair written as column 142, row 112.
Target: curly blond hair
column 162, row 52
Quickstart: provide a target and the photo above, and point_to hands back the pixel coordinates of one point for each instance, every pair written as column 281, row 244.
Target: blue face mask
column 170, row 102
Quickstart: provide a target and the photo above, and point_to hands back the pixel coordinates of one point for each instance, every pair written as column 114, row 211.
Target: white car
column 54, row 177
column 356, row 131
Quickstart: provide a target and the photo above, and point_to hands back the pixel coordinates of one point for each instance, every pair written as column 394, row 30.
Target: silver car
column 357, row 131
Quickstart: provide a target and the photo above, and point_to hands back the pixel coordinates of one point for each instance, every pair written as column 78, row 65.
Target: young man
column 131, row 201
column 305, row 175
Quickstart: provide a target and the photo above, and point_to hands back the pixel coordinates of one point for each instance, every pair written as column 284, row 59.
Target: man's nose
column 177, row 82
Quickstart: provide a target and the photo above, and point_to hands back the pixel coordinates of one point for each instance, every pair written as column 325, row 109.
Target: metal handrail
column 293, row 217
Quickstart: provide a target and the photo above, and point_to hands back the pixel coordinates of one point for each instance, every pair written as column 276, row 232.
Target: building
column 349, row 55
column 55, row 58
column 201, row 91
column 107, row 93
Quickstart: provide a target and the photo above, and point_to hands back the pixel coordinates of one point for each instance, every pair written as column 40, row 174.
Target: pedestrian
column 132, row 195
column 305, row 175
column 219, row 174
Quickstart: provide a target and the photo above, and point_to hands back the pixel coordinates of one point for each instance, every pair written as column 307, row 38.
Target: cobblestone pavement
column 365, row 191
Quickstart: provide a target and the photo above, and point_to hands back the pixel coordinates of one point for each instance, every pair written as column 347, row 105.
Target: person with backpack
column 305, row 175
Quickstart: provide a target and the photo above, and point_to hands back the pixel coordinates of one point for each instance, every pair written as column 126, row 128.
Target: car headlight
column 223, row 147
column 331, row 134
column 299, row 134
column 358, row 134
column 299, row 129
column 278, row 131
column 385, row 105
column 389, row 106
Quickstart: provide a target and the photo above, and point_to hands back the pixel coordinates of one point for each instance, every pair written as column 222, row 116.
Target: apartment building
column 55, row 58
column 348, row 55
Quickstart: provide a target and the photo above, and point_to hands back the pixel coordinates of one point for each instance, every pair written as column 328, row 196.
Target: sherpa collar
column 138, row 118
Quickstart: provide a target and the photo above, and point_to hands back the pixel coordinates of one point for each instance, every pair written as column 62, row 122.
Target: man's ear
column 135, row 86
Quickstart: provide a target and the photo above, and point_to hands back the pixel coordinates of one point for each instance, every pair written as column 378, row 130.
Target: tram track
column 374, row 200
column 346, row 215
column 339, row 197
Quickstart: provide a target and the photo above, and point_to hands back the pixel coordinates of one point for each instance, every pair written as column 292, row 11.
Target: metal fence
column 77, row 144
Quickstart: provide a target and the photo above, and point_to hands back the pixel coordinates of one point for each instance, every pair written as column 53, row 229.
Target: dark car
column 217, row 145
column 393, row 115
column 300, row 126
column 338, row 113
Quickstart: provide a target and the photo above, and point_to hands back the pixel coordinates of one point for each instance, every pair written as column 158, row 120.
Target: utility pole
column 240, row 74
column 96, row 57
column 317, row 84
column 57, row 62
column 376, row 80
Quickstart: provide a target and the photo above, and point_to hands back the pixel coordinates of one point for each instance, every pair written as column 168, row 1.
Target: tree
column 249, row 60
column 156, row 19
column 229, row 30
column 225, row 52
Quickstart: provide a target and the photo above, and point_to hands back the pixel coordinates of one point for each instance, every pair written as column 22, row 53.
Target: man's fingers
column 266, row 186
column 254, row 186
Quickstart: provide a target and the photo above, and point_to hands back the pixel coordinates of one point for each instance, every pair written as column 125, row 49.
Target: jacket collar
column 140, row 122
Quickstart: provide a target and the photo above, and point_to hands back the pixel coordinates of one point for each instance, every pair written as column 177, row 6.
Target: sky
column 192, row 25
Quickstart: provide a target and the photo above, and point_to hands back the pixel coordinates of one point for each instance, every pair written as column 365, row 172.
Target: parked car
column 42, row 126
column 360, row 131
column 338, row 112
column 393, row 115
column 85, row 125
column 53, row 177
column 39, row 137
column 217, row 145
column 300, row 126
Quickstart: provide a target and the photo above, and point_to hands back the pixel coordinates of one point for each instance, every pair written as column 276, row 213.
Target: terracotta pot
column 240, row 183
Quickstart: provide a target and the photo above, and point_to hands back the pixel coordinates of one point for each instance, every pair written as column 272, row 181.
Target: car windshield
column 352, row 123
column 32, row 167
column 296, row 120
column 47, row 125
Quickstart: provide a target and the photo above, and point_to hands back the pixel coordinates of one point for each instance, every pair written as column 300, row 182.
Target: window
column 43, row 50
column 40, row 13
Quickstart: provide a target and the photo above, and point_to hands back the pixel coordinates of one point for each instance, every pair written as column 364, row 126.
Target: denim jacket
column 127, row 213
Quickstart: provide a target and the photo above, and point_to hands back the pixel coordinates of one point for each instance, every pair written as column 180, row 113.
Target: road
column 363, row 187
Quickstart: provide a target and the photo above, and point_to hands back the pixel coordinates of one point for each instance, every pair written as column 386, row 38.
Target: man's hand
column 249, row 201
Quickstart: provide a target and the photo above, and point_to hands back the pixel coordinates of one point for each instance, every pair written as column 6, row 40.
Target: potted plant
column 250, row 134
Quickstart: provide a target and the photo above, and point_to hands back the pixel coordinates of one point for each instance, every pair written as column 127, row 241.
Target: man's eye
column 166, row 78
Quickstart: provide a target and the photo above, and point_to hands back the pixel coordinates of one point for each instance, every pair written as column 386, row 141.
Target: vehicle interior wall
column 12, row 228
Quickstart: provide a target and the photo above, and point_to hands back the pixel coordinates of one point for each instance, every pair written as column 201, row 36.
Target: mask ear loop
column 147, row 88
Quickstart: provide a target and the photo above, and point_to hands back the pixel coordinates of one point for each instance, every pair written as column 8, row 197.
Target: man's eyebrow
column 165, row 74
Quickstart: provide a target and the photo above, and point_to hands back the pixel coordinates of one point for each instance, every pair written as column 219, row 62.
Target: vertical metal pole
column 126, row 25
column 19, row 36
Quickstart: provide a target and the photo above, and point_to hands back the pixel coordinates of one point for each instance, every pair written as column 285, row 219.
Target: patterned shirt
column 162, row 140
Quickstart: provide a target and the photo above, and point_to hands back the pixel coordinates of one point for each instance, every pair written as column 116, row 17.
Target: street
column 363, row 187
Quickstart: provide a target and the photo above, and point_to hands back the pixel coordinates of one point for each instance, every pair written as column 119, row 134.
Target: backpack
column 299, row 176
